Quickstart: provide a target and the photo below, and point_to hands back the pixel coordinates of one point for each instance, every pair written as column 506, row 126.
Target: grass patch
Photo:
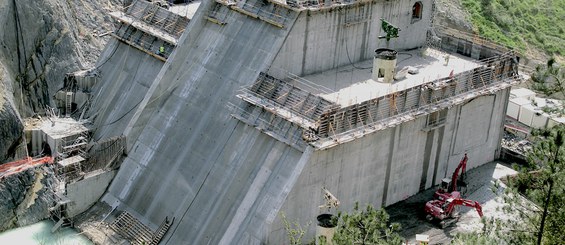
column 521, row 23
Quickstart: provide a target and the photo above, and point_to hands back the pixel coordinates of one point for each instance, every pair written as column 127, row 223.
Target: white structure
column 528, row 109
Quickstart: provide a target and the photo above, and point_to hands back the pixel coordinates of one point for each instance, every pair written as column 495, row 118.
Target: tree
column 541, row 181
column 294, row 231
column 549, row 79
column 548, row 156
column 538, row 218
column 368, row 226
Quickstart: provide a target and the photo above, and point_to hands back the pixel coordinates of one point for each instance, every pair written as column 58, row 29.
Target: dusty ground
column 410, row 212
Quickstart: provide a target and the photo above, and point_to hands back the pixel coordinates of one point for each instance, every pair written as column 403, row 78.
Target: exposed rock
column 450, row 13
column 20, row 203
column 11, row 130
column 41, row 41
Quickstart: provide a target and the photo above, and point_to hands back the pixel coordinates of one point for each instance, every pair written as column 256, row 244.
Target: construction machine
column 450, row 187
column 444, row 211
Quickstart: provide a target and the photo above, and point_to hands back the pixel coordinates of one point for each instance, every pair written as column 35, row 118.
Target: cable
column 349, row 58
column 405, row 53
column 204, row 181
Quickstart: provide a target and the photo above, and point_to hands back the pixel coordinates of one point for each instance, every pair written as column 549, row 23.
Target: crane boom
column 448, row 188
column 454, row 178
column 465, row 202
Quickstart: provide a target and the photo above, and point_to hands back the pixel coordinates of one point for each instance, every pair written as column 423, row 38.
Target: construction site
column 203, row 124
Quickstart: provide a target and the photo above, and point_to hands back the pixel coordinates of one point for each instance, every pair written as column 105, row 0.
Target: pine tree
column 368, row 226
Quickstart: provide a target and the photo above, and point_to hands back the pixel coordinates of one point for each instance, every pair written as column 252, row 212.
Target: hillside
column 533, row 27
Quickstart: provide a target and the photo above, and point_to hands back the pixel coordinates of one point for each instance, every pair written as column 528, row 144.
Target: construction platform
column 352, row 84
column 59, row 128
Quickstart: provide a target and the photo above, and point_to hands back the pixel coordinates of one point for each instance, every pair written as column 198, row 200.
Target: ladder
column 68, row 103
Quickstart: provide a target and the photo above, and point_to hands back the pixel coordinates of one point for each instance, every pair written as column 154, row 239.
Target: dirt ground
column 410, row 212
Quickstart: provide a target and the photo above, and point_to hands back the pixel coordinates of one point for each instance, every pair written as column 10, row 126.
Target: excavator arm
column 454, row 178
column 465, row 202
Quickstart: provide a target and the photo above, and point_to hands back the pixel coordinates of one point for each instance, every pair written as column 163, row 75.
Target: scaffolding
column 272, row 124
column 274, row 14
column 71, row 157
column 149, row 28
column 324, row 124
column 419, row 98
column 150, row 15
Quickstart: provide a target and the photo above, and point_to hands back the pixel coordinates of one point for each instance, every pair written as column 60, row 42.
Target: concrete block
column 514, row 106
column 522, row 93
column 526, row 114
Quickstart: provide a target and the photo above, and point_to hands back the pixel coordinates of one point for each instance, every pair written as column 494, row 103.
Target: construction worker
column 162, row 50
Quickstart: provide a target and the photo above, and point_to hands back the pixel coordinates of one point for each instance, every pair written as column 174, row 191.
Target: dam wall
column 393, row 164
column 189, row 159
column 126, row 75
column 328, row 38
column 130, row 63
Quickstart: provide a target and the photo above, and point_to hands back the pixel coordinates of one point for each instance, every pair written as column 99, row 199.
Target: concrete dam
column 225, row 119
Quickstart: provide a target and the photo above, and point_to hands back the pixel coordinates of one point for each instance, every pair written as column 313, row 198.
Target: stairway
column 161, row 231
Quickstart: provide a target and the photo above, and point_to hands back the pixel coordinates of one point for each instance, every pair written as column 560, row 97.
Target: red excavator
column 449, row 187
column 443, row 211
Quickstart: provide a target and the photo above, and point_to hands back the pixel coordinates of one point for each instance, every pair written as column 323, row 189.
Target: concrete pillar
column 385, row 64
column 326, row 227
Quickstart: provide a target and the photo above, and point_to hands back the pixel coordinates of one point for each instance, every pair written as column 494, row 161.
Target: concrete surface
column 189, row 159
column 325, row 39
column 127, row 74
column 223, row 180
column 85, row 193
column 353, row 83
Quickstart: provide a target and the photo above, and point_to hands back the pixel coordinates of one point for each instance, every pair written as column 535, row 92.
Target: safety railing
column 421, row 98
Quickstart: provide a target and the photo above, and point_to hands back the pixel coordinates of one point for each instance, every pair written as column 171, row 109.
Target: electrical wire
column 349, row 58
column 405, row 59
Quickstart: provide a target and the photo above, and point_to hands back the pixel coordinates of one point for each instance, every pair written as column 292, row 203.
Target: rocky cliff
column 41, row 41
column 11, row 128
column 25, row 197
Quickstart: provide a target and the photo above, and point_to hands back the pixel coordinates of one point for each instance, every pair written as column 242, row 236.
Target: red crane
column 441, row 210
column 448, row 187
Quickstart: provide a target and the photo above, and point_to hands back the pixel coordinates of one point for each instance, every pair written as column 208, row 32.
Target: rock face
column 451, row 13
column 25, row 197
column 11, row 128
column 41, row 41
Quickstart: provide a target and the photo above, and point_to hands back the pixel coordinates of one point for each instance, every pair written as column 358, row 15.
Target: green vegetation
column 521, row 24
column 540, row 219
column 366, row 226
column 294, row 230
column 549, row 80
